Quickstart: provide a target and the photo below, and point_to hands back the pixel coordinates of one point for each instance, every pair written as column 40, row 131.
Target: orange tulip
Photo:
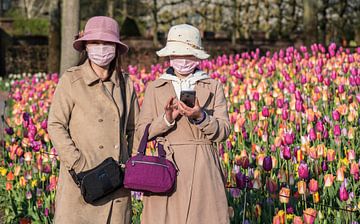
column 284, row 195
column 340, row 174
column 316, row 197
column 328, row 180
column 10, row 176
column 301, row 187
column 8, row 186
column 297, row 220
column 330, row 154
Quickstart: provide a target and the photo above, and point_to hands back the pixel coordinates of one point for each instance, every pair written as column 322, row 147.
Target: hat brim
column 79, row 44
column 178, row 48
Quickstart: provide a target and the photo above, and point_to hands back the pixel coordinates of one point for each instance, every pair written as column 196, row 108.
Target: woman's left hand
column 193, row 113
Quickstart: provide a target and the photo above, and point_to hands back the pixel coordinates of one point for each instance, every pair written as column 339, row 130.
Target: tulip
column 303, row 171
column 316, row 197
column 337, row 130
column 312, row 134
column 351, row 155
column 289, row 138
column 324, row 166
column 284, row 195
column 343, row 194
column 247, row 105
column 328, row 180
column 265, row 112
column 9, row 131
column 271, row 185
column 301, row 187
column 240, row 180
column 286, row 153
column 313, row 186
column 297, row 220
column 267, row 163
column 336, row 115
column 309, row 215
column 330, row 155
column 340, row 174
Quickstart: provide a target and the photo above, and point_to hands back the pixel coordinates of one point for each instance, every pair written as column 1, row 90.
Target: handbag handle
column 144, row 141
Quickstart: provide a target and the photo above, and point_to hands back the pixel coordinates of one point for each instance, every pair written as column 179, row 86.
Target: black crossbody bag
column 105, row 178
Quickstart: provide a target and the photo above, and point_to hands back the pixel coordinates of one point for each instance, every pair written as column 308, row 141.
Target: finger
column 185, row 107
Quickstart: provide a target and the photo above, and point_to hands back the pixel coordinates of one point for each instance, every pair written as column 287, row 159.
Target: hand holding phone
column 188, row 97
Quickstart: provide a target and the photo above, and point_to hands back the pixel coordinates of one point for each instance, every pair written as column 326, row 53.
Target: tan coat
column 84, row 126
column 200, row 193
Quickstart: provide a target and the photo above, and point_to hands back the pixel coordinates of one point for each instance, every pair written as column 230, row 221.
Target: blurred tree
column 310, row 21
column 110, row 8
column 34, row 8
column 54, row 36
column 69, row 28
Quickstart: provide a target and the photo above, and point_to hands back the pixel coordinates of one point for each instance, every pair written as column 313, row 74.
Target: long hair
column 115, row 64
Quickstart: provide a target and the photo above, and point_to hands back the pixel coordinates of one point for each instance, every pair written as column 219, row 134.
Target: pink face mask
column 184, row 66
column 101, row 54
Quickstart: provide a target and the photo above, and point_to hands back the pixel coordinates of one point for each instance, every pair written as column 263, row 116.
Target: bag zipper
column 149, row 163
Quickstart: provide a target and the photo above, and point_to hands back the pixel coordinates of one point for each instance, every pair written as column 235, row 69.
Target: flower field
column 292, row 157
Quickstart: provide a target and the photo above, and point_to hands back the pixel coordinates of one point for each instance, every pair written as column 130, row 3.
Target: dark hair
column 115, row 64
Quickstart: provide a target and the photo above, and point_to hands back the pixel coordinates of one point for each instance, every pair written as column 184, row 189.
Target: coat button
column 101, row 146
column 100, row 120
column 116, row 146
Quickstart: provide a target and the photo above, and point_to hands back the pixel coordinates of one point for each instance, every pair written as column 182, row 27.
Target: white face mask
column 101, row 54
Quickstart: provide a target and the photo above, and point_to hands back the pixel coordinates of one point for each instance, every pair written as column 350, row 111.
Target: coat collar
column 170, row 71
column 90, row 76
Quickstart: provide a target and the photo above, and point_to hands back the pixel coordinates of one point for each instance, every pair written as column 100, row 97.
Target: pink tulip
column 265, row 112
column 337, row 130
column 303, row 171
column 343, row 194
column 336, row 115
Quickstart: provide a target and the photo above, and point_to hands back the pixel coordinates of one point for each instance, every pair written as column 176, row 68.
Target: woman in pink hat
column 189, row 120
column 92, row 117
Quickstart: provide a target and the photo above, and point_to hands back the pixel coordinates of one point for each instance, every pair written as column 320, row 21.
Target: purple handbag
column 154, row 174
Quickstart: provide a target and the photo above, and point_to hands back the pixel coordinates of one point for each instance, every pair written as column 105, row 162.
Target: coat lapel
column 202, row 93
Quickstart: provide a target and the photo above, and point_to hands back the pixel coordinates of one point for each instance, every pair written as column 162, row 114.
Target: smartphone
column 188, row 97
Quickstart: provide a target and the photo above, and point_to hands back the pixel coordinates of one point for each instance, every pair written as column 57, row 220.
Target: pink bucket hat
column 101, row 28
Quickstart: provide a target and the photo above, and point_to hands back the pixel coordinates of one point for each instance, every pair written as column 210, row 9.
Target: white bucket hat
column 183, row 39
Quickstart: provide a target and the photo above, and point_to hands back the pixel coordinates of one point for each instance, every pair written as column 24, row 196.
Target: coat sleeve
column 130, row 129
column 148, row 115
column 217, row 127
column 58, row 124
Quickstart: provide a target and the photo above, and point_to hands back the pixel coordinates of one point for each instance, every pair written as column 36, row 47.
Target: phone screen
column 188, row 97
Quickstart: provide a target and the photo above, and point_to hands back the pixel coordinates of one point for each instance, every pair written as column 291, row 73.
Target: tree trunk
column 310, row 22
column 69, row 28
column 156, row 24
column 54, row 37
column 235, row 23
column 110, row 8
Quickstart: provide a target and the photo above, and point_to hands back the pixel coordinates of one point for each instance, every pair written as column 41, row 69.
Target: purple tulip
column 280, row 102
column 286, row 153
column 337, row 130
column 303, row 79
column 299, row 106
column 9, row 131
column 44, row 124
column 267, row 163
column 303, row 170
column 324, row 166
column 325, row 134
column 281, row 85
column 240, row 180
column 284, row 114
column 289, row 138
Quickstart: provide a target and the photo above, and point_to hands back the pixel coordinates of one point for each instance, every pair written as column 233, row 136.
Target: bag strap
column 144, row 141
column 123, row 97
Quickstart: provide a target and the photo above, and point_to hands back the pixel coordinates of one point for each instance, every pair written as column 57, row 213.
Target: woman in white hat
column 188, row 132
column 92, row 117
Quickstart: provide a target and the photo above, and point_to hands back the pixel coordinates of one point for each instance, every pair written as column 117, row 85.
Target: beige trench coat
column 84, row 126
column 200, row 193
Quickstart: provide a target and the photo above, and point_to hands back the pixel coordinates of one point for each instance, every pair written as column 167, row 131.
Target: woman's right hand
column 171, row 110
